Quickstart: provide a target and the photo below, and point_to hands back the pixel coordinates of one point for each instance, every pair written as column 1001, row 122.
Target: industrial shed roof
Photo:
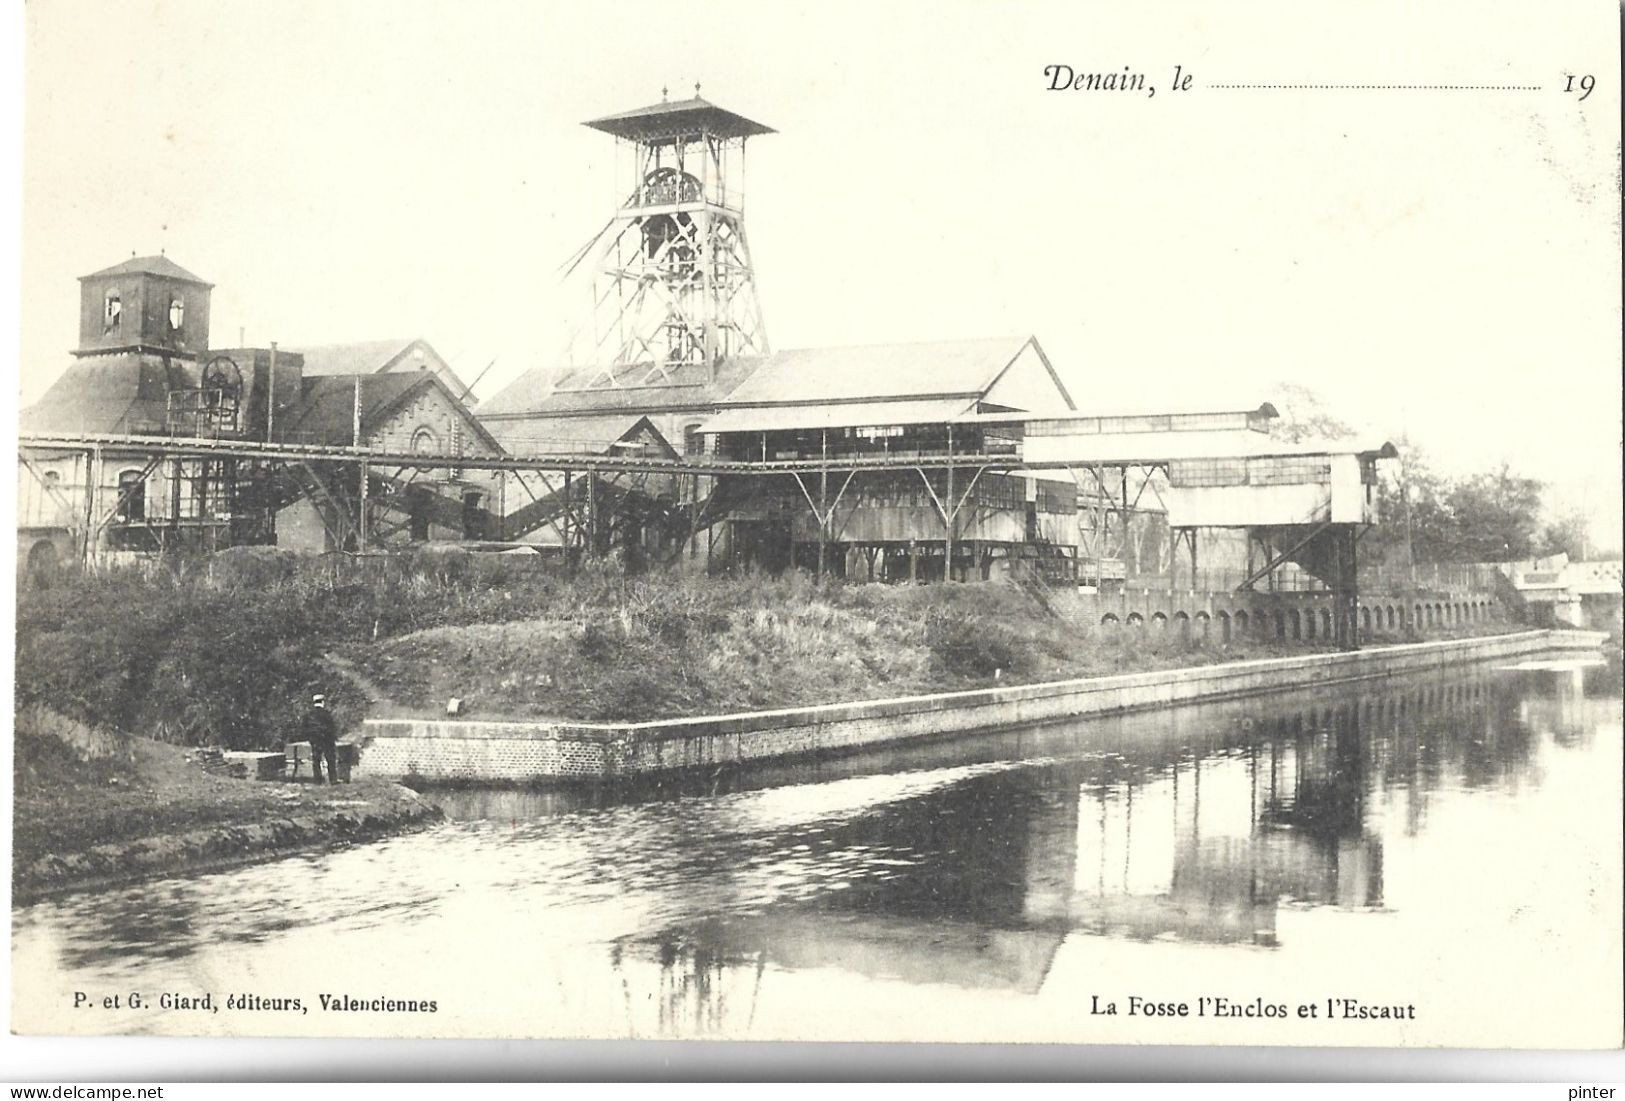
column 542, row 392
column 361, row 358
column 852, row 414
column 880, row 371
column 589, row 435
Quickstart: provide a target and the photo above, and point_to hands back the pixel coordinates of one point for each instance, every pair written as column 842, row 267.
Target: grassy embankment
column 226, row 651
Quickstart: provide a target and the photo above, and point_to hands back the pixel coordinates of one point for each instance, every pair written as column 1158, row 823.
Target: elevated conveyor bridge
column 1305, row 504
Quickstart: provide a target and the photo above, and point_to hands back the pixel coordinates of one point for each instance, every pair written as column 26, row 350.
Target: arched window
column 112, row 312
column 693, row 440
column 425, row 442
column 177, row 315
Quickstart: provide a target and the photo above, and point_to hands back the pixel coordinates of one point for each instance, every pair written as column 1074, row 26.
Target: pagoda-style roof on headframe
column 678, row 119
column 150, row 265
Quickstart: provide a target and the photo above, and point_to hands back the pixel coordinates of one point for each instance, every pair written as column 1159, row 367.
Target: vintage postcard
column 1068, row 523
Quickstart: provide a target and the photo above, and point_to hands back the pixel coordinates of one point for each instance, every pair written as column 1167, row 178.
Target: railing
column 1287, row 579
column 1448, row 576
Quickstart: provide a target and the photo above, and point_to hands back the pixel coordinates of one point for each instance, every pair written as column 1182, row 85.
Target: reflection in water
column 967, row 865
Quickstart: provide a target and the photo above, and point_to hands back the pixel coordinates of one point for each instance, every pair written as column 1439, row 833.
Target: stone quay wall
column 446, row 750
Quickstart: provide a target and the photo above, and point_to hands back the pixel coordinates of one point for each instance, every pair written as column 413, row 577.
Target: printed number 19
column 1587, row 83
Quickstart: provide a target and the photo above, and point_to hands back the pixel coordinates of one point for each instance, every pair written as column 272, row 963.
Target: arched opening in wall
column 1182, row 628
column 1159, row 622
column 1294, row 624
column 1225, row 626
column 42, row 564
column 473, row 514
column 1280, row 625
column 132, row 496
column 1109, row 622
column 1416, row 618
column 1135, row 621
column 419, row 512
column 1393, row 619
column 1240, row 624
column 1309, row 625
column 1438, row 615
column 1326, row 631
column 1204, row 625
column 1365, row 623
column 693, row 441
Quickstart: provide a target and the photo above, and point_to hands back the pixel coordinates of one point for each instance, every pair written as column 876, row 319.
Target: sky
column 1442, row 264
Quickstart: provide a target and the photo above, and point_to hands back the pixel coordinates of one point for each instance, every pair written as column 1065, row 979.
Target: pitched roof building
column 377, row 357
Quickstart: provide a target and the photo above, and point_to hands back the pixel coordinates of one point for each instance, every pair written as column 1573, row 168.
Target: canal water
column 1441, row 852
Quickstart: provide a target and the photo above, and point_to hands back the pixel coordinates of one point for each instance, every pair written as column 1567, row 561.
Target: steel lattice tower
column 675, row 291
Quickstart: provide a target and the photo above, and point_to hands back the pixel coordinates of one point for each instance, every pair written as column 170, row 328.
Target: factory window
column 1136, row 424
column 132, row 495
column 1071, row 426
column 1207, row 472
column 112, row 311
column 425, row 442
column 1288, row 470
column 177, row 314
column 693, row 440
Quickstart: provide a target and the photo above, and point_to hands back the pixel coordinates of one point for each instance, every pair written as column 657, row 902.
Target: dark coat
column 318, row 727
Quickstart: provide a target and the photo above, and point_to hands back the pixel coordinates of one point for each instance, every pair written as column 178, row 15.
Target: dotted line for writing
column 1393, row 87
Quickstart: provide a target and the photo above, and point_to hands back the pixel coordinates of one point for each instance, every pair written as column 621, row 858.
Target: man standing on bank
column 322, row 733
